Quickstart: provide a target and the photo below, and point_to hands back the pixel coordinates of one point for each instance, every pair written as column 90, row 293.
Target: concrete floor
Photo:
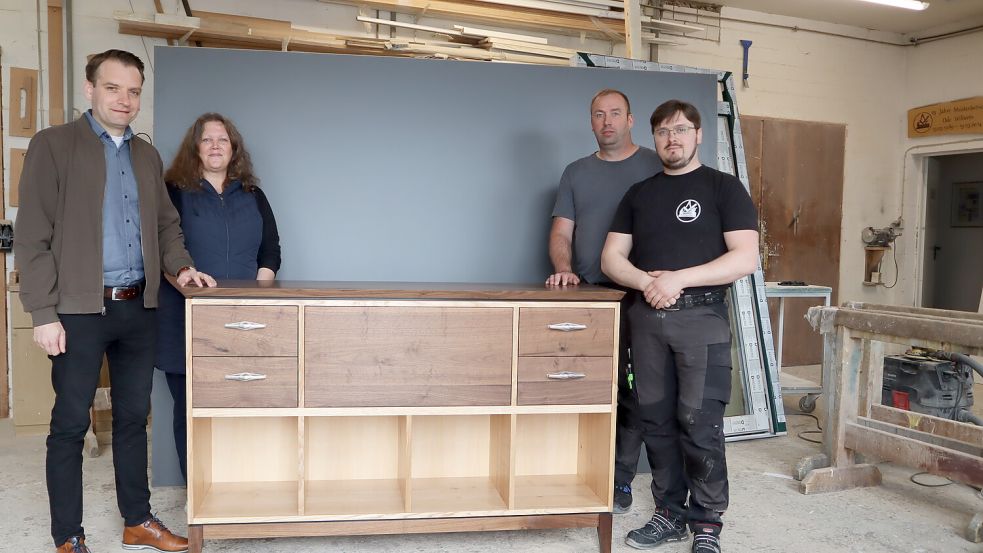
column 767, row 512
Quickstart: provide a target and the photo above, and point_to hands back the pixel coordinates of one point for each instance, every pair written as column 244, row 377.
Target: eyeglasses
column 679, row 130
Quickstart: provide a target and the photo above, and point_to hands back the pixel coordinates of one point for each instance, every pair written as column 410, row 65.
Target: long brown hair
column 185, row 171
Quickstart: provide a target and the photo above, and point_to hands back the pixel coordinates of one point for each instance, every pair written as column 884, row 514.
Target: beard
column 668, row 163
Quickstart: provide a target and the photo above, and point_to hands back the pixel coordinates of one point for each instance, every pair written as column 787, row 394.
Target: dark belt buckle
column 119, row 293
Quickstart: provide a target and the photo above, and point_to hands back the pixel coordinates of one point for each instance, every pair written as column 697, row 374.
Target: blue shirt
column 122, row 255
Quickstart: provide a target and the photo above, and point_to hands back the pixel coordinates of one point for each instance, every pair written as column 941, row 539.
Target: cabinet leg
column 195, row 538
column 604, row 531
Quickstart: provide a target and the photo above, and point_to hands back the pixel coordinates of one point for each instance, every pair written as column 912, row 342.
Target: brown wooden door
column 796, row 176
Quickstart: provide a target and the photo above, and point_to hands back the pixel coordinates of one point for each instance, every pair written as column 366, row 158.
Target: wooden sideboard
column 329, row 408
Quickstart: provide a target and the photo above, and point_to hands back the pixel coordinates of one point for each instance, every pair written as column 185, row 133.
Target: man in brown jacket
column 94, row 229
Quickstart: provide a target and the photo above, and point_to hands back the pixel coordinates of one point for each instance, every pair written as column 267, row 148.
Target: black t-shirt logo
column 688, row 211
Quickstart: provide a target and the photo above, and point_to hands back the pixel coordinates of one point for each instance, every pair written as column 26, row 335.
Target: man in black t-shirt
column 690, row 231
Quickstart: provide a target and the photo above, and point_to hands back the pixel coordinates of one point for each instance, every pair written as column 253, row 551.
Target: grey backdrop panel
column 393, row 169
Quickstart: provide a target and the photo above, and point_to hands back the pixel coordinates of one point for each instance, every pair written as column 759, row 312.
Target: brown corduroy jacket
column 58, row 232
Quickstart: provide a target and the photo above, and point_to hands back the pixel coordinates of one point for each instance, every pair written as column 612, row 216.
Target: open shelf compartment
column 461, row 464
column 244, row 469
column 562, row 461
column 356, row 465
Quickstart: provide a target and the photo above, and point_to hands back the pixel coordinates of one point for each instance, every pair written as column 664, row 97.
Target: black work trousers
column 682, row 362
column 628, row 435
column 126, row 334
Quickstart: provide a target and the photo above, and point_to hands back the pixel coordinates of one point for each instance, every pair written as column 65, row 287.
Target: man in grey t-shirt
column 590, row 190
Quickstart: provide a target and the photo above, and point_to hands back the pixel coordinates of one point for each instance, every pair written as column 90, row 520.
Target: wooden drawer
column 234, row 330
column 215, row 384
column 407, row 356
column 592, row 333
column 588, row 380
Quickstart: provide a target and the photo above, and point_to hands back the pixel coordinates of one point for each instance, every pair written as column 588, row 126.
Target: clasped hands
column 662, row 288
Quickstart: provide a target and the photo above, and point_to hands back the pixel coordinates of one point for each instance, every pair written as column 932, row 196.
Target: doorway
column 952, row 270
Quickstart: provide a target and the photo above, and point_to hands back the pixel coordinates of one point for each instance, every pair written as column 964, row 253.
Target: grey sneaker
column 706, row 538
column 664, row 527
column 622, row 498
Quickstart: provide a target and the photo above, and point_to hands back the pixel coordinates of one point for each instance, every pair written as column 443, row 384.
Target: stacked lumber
column 220, row 30
column 604, row 18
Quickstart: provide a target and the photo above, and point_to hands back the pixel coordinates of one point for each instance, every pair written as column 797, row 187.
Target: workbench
column 793, row 384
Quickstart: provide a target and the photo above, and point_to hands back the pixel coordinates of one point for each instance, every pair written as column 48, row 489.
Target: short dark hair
column 606, row 92
column 667, row 110
column 126, row 58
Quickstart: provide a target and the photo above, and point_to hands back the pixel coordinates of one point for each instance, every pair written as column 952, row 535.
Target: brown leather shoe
column 153, row 535
column 75, row 544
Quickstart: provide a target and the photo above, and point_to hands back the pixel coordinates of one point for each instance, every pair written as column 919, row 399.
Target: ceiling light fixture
column 907, row 4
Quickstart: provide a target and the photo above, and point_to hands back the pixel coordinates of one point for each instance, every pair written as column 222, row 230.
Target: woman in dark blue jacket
column 229, row 230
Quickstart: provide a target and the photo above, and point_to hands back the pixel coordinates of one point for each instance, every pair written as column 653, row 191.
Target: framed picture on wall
column 967, row 204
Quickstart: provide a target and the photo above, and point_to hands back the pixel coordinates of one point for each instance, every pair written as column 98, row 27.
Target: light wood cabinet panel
column 244, row 382
column 244, row 330
column 33, row 395
column 407, row 356
column 566, row 331
column 564, row 380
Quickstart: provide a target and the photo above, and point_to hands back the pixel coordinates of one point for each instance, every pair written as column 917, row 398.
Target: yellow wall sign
column 956, row 117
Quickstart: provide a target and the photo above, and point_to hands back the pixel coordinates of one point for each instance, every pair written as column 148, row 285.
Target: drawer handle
column 245, row 325
column 245, row 377
column 565, row 375
column 567, row 327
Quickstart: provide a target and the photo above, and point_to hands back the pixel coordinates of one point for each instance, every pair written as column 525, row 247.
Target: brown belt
column 117, row 293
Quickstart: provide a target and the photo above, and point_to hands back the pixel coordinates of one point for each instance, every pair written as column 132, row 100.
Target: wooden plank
column 399, row 526
column 671, row 25
column 17, row 157
column 56, row 64
column 402, row 290
column 400, row 25
column 836, row 479
column 548, row 6
column 513, row 46
column 23, row 102
column 952, row 332
column 972, row 449
column 962, row 316
column 913, row 453
column 488, row 33
column 470, row 10
column 964, row 432
column 633, row 30
column 160, row 9
column 843, row 396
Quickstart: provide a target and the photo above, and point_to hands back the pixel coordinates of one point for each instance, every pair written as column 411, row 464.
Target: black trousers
column 126, row 334
column 681, row 405
column 176, row 383
column 628, row 435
